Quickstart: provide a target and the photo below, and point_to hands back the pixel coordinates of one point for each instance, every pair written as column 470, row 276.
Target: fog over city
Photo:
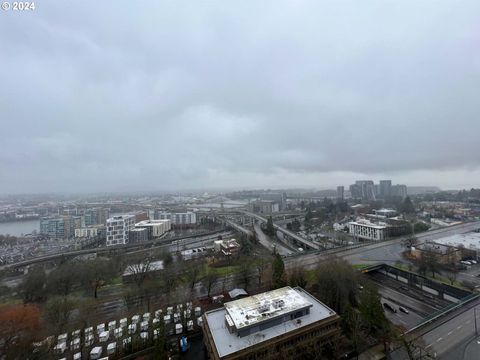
column 179, row 95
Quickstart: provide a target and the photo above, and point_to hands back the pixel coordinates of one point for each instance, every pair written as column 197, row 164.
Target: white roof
column 228, row 343
column 469, row 240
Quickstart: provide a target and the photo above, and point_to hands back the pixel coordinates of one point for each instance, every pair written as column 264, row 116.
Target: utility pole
column 475, row 316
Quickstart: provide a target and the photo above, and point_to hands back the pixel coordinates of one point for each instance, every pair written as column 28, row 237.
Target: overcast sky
column 171, row 95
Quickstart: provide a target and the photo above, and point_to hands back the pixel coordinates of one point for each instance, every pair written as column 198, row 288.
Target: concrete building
column 340, row 192
column 95, row 216
column 54, row 227
column 227, row 247
column 282, row 323
column 118, row 229
column 444, row 254
column 363, row 189
column 385, row 188
column 264, row 206
column 278, row 198
column 470, row 241
column 388, row 213
column 364, row 229
column 399, row 191
column 155, row 228
column 90, row 231
column 179, row 219
column 60, row 227
column 138, row 235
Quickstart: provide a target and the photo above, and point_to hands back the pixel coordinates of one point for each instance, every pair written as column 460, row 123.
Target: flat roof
column 468, row 240
column 228, row 343
column 265, row 306
column 367, row 224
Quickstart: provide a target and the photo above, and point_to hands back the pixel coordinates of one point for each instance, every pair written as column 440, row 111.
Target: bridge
column 238, row 227
column 105, row 250
column 289, row 236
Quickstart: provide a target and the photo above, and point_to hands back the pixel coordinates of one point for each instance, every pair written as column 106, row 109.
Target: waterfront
column 18, row 228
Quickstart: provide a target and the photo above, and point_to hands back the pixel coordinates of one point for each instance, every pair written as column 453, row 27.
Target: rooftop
column 469, row 240
column 247, row 311
column 258, row 308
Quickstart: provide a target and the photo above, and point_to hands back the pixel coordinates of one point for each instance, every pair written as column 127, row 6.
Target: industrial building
column 283, row 323
column 118, row 229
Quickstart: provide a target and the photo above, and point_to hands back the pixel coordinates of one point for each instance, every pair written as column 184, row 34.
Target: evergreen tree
column 270, row 228
column 278, row 272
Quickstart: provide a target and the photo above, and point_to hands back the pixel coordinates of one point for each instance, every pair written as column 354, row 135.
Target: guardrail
column 442, row 312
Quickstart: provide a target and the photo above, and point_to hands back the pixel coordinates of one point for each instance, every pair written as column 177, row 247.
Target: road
column 385, row 251
column 268, row 244
column 451, row 334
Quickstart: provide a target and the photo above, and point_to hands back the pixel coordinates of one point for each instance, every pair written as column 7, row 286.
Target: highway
column 308, row 243
column 378, row 251
column 268, row 244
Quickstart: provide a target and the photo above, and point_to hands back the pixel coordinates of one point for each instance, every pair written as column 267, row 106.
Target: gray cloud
column 165, row 95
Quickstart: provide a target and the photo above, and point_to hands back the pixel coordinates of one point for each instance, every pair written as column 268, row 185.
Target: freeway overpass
column 289, row 236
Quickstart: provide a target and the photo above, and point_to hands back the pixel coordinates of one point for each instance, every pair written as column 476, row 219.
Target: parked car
column 402, row 309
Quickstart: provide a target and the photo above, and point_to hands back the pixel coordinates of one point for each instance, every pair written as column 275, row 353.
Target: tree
column 139, row 271
column 160, row 352
column 193, row 269
column 270, row 230
column 352, row 326
column 430, row 260
column 297, row 276
column 61, row 280
column 407, row 206
column 57, row 312
column 33, row 287
column 19, row 325
column 336, row 284
column 96, row 273
column 296, row 225
column 278, row 272
column 371, row 308
column 210, row 279
column 245, row 272
column 261, row 264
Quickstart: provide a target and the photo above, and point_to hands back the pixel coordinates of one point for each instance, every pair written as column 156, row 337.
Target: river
column 18, row 228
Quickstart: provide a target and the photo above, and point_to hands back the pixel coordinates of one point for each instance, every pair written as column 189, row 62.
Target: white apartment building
column 364, row 229
column 118, row 228
column 88, row 231
column 155, row 228
column 186, row 219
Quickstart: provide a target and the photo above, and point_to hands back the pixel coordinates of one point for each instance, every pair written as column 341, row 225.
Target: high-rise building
column 95, row 216
column 340, row 192
column 60, row 227
column 399, row 191
column 363, row 189
column 385, row 188
column 118, row 229
column 54, row 227
column 282, row 323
